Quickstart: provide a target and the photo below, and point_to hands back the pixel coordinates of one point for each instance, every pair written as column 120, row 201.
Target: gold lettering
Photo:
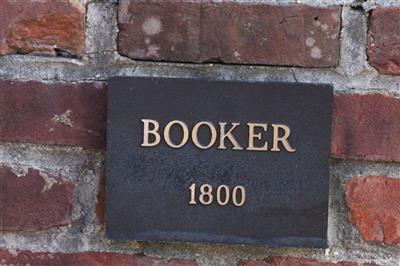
column 147, row 131
column 223, row 195
column 206, row 192
column 282, row 139
column 228, row 135
column 235, row 200
column 195, row 138
column 253, row 136
column 219, row 193
column 152, row 136
column 185, row 132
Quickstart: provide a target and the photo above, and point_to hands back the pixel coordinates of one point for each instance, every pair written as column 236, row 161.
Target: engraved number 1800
column 223, row 195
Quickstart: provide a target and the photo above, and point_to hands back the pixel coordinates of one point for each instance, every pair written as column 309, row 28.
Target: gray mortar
column 101, row 61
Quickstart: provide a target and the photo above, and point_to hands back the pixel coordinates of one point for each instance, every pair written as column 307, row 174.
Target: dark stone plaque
column 214, row 161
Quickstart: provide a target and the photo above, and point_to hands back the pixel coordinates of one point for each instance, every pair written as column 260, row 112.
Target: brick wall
column 55, row 58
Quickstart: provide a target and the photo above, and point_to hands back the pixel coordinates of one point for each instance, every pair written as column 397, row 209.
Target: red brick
column 239, row 33
column 384, row 40
column 291, row 261
column 42, row 27
column 155, row 30
column 295, row 35
column 86, row 258
column 71, row 114
column 366, row 127
column 33, row 200
column 374, row 208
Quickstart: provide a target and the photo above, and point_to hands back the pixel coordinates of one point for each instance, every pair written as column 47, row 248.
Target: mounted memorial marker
column 214, row 161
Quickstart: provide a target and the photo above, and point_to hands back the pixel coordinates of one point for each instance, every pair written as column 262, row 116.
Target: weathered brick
column 295, row 35
column 33, row 200
column 42, row 27
column 366, row 127
column 156, row 30
column 374, row 208
column 239, row 33
column 53, row 113
column 85, row 258
column 291, row 261
column 384, row 40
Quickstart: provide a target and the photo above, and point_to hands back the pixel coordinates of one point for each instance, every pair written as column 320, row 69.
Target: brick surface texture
column 42, row 27
column 374, row 207
column 234, row 33
column 384, row 40
column 60, row 113
column 86, row 258
column 33, row 200
column 366, row 127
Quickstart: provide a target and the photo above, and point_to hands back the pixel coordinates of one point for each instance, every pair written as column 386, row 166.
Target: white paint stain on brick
column 316, row 53
column 98, row 85
column 310, row 42
column 19, row 170
column 49, row 181
column 13, row 252
column 152, row 26
column 152, row 50
column 324, row 27
column 63, row 118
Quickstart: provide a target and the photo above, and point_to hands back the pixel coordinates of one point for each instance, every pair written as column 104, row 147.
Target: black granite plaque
column 222, row 162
